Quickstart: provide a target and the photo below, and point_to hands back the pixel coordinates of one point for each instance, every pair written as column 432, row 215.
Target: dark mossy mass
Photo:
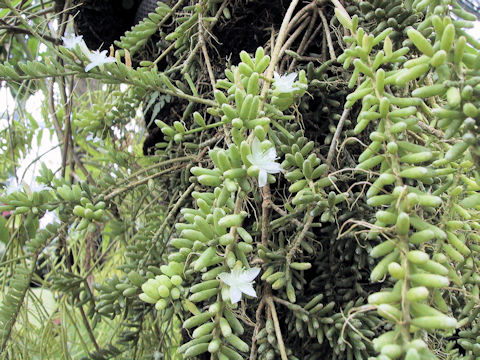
column 249, row 27
column 102, row 22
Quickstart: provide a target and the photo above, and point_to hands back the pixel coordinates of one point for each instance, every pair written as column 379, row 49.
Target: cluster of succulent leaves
column 369, row 253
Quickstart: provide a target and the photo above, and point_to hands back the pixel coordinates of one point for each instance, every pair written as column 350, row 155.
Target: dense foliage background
column 239, row 180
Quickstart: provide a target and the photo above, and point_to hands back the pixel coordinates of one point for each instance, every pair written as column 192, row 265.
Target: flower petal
column 226, row 278
column 248, row 290
column 270, row 154
column 262, row 178
column 71, row 41
column 250, row 274
column 291, row 77
column 235, row 294
column 109, row 60
column 90, row 67
column 273, row 168
column 256, row 147
column 252, row 159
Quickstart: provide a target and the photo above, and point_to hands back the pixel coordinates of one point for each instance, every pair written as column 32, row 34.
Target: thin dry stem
column 328, row 35
column 278, row 331
column 338, row 131
column 294, row 36
column 282, row 34
column 303, row 43
column 351, row 315
column 302, row 11
column 284, row 213
column 265, row 206
column 258, row 323
column 141, row 181
column 299, row 239
column 204, row 51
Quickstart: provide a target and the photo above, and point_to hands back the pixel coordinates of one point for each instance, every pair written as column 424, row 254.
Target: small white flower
column 284, row 83
column 264, row 160
column 71, row 41
column 53, row 26
column 48, row 218
column 12, row 186
column 98, row 58
column 240, row 281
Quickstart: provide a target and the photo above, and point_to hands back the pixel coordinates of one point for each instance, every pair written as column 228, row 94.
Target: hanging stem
column 328, row 35
column 278, row 331
column 282, row 34
column 338, row 131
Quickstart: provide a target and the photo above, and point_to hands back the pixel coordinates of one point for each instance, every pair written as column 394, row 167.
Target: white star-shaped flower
column 12, row 186
column 264, row 160
column 98, row 58
column 240, row 281
column 284, row 83
column 71, row 41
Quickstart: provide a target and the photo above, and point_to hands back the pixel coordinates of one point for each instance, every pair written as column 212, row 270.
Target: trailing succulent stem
column 330, row 210
column 415, row 303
